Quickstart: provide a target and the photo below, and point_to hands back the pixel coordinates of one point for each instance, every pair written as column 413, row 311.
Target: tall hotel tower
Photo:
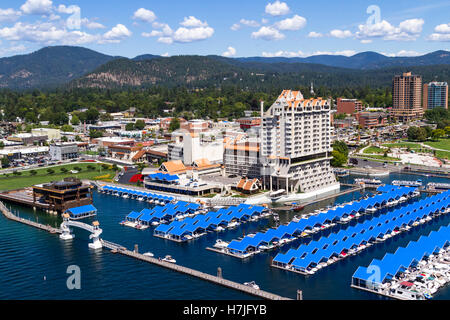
column 407, row 97
column 296, row 144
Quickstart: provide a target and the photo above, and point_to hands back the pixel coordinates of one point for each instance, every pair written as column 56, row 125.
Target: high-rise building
column 296, row 144
column 435, row 95
column 406, row 96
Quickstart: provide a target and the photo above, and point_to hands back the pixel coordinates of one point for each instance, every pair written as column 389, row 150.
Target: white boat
column 125, row 196
column 219, row 228
column 169, row 259
column 276, row 195
column 140, row 199
column 296, row 219
column 233, row 224
column 156, row 223
column 149, row 254
column 252, row 284
column 220, row 244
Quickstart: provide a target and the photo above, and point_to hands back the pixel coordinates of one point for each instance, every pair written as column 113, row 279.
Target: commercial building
column 127, row 153
column 28, row 139
column 349, row 106
column 249, row 122
column 52, row 134
column 407, row 97
column 296, row 144
column 191, row 146
column 368, row 120
column 435, row 95
column 63, row 151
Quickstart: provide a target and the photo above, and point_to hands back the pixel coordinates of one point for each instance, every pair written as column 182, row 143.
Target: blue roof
column 82, row 210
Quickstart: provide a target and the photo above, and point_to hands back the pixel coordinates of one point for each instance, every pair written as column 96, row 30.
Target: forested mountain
column 49, row 67
column 65, row 66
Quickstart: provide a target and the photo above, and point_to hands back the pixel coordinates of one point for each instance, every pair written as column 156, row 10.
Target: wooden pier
column 194, row 273
column 5, row 211
column 116, row 248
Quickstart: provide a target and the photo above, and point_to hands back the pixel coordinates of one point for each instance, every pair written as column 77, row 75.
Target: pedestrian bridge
column 94, row 229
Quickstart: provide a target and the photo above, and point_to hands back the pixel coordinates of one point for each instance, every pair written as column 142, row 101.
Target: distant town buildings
column 406, row 96
column 349, row 106
column 435, row 95
column 63, row 151
column 369, row 120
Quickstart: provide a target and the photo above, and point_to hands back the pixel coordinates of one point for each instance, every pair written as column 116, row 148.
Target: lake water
column 33, row 263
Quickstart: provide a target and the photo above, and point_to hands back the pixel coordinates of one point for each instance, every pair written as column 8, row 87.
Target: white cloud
column 164, row 27
column 301, row 54
column 193, row 22
column 314, row 34
column 268, row 33
column 165, row 54
column 341, row 34
column 14, row 49
column 407, row 30
column 442, row 33
column 68, row 10
column 230, row 52
column 144, row 15
column 294, row 23
column 192, row 34
column 37, row 7
column 249, row 23
column 166, row 40
column 235, row 27
column 119, row 32
column 442, row 28
column 285, row 54
column 91, row 24
column 402, row 53
column 9, row 15
column 277, row 8
column 365, row 41
column 154, row 33
column 46, row 33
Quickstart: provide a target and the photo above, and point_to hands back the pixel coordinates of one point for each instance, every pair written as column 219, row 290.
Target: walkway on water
column 116, row 248
column 194, row 273
column 5, row 211
column 352, row 189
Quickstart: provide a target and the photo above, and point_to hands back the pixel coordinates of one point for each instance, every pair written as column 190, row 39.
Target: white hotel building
column 296, row 144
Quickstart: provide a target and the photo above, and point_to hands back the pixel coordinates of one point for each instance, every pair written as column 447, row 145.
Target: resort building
column 248, row 185
column 127, row 153
column 296, row 144
column 241, row 157
column 407, row 97
column 435, row 95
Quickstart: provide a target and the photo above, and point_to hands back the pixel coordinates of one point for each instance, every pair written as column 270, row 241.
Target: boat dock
column 352, row 189
column 194, row 273
column 116, row 248
column 7, row 213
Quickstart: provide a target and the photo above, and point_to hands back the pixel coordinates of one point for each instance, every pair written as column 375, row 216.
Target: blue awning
column 82, row 210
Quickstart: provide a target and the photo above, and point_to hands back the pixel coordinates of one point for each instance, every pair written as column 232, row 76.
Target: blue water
column 28, row 254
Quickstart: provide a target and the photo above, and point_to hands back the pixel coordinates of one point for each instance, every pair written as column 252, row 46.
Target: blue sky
column 232, row 28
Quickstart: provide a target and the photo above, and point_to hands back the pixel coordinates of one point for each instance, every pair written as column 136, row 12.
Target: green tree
column 437, row 134
column 93, row 134
column 339, row 159
column 33, row 173
column 67, row 128
column 75, row 120
column 174, row 124
column 129, row 127
column 50, row 171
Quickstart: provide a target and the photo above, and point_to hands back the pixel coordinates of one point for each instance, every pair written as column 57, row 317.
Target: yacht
column 140, row 199
column 156, row 223
column 252, row 284
column 125, row 196
column 296, row 219
column 149, row 254
column 169, row 259
column 220, row 244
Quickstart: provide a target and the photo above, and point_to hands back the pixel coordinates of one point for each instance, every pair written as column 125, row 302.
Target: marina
column 318, row 222
column 319, row 254
column 414, row 272
column 111, row 210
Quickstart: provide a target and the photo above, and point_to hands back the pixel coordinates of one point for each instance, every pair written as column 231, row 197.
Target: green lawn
column 402, row 144
column 12, row 181
column 380, row 157
column 443, row 154
column 443, row 144
column 373, row 150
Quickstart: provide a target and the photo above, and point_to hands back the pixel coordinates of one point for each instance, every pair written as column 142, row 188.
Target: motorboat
column 156, row 223
column 296, row 219
column 140, row 199
column 169, row 259
column 149, row 254
column 233, row 224
column 125, row 196
column 219, row 228
column 220, row 244
column 252, row 284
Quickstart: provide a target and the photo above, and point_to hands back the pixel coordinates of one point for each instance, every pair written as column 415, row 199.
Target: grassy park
column 22, row 179
column 443, row 144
